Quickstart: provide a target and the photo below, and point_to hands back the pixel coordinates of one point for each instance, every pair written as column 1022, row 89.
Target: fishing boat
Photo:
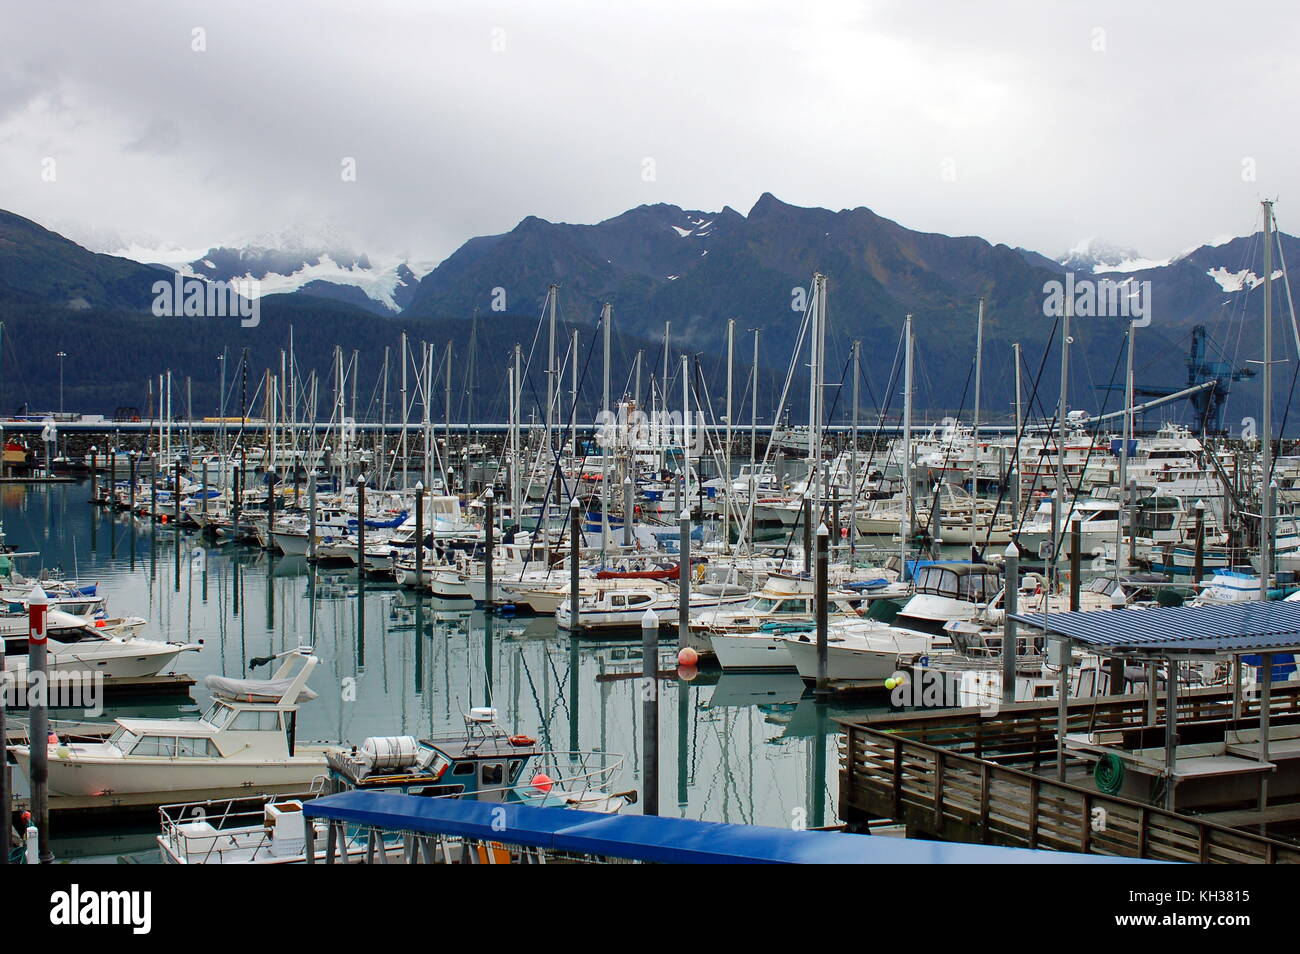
column 482, row 764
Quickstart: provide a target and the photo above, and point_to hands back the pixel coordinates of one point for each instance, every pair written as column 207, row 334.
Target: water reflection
column 734, row 747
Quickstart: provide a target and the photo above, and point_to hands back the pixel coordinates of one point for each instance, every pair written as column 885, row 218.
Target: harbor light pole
column 61, row 355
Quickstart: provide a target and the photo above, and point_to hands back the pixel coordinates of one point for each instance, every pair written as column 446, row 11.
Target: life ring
column 522, row 740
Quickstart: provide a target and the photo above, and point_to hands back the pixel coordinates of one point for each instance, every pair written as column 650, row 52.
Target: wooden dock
column 960, row 776
column 163, row 685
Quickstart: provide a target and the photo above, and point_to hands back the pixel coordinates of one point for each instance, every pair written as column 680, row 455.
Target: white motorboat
column 75, row 645
column 244, row 744
column 620, row 604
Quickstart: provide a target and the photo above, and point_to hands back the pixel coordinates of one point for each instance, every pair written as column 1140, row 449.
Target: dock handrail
column 938, row 792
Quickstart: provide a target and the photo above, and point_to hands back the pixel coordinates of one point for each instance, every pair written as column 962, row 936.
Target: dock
column 964, row 775
column 119, row 688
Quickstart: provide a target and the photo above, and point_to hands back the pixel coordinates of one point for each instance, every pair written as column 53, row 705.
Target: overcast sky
column 1156, row 125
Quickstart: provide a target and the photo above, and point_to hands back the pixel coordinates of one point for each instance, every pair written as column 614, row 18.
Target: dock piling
column 650, row 712
column 822, row 690
column 575, row 555
column 1010, row 601
column 38, row 606
column 488, row 546
column 683, row 579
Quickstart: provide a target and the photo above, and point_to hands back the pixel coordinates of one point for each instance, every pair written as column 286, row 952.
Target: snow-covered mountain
column 283, row 264
column 1099, row 255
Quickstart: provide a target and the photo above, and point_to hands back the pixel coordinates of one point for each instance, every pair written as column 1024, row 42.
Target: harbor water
column 749, row 748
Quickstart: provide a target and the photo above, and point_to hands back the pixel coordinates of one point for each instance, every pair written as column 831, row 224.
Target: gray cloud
column 1028, row 123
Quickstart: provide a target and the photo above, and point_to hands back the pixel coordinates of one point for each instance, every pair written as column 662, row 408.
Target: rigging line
column 558, row 471
column 1020, row 436
column 933, row 516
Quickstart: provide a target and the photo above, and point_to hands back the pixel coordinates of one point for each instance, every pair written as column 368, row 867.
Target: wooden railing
column 940, row 793
column 1024, row 733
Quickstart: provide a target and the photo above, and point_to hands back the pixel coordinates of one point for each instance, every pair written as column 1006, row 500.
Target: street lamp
column 61, row 355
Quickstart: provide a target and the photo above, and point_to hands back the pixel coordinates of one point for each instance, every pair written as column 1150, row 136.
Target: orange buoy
column 687, row 656
column 542, row 782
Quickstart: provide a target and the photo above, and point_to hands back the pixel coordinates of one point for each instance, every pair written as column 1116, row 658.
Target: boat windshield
column 218, row 715
column 763, row 604
column 123, row 740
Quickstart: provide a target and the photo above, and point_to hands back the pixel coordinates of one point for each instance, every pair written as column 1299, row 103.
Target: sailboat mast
column 975, row 422
column 1266, row 486
column 606, row 320
column 905, row 524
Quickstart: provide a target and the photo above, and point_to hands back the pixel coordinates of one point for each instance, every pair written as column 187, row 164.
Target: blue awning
column 1272, row 626
column 656, row 839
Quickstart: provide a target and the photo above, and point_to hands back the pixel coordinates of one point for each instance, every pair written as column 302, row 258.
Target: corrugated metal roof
column 1239, row 628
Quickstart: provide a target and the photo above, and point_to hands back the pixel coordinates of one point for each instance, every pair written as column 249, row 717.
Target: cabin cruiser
column 621, row 603
column 1099, row 523
column 244, row 744
column 864, row 653
column 748, row 635
column 77, row 645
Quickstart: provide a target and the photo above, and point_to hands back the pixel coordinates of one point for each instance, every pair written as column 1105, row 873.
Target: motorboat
column 246, row 743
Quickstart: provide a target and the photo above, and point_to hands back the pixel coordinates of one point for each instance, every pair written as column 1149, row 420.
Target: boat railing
column 572, row 774
column 238, row 826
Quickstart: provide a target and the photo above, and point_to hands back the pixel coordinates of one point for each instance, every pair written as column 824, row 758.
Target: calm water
column 735, row 748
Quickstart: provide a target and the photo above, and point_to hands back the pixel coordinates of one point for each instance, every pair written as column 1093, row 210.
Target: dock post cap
column 822, row 531
column 488, row 494
column 361, row 478
column 37, row 597
column 685, row 514
column 1012, row 551
column 573, row 504
column 650, row 620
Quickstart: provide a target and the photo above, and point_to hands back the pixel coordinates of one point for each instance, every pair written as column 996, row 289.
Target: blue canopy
column 655, row 839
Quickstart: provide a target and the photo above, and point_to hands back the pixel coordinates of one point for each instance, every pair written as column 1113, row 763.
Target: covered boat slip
column 1249, row 757
column 1209, row 774
column 429, row 827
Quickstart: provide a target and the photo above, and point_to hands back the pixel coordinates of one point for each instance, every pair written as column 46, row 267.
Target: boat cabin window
column 1102, row 584
column 156, row 745
column 763, row 604
column 218, row 715
column 492, row 773
column 196, row 749
column 122, row 739
column 637, row 599
column 942, row 581
column 463, row 768
column 67, row 637
column 256, row 720
column 794, row 606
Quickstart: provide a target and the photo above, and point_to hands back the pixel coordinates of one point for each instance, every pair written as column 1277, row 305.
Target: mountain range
column 657, row 264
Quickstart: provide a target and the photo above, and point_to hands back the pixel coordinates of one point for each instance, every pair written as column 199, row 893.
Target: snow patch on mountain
column 1236, row 281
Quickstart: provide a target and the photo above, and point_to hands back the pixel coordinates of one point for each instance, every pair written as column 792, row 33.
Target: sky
column 403, row 127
